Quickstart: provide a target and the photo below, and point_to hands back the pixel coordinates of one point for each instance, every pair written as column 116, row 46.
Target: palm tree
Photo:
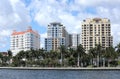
column 53, row 57
column 92, row 54
column 80, row 50
column 9, row 55
column 1, row 57
column 98, row 51
column 95, row 53
column 110, row 54
column 118, row 49
column 62, row 51
column 103, row 58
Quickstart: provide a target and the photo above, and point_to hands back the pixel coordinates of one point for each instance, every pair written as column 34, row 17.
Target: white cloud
column 43, row 35
column 115, row 33
column 5, row 32
column 106, row 3
column 63, row 11
column 53, row 11
column 13, row 15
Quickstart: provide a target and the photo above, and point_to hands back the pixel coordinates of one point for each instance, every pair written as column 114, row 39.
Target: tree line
column 64, row 57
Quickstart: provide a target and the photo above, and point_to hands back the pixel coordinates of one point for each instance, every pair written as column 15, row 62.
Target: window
column 91, row 24
column 84, row 20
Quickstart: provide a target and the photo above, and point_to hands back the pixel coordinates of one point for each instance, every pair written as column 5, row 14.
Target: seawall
column 61, row 68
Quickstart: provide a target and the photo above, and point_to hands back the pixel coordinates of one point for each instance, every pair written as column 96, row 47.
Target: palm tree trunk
column 98, row 61
column 61, row 59
column 103, row 62
column 91, row 61
column 78, row 61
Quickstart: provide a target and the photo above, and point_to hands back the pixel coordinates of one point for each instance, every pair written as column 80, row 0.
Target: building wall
column 96, row 31
column 75, row 40
column 56, row 36
column 54, row 43
column 24, row 40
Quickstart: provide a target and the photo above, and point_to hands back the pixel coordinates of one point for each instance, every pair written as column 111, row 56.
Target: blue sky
column 19, row 14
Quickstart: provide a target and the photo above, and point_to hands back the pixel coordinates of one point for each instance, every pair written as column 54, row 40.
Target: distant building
column 96, row 31
column 74, row 40
column 4, row 53
column 56, row 36
column 24, row 40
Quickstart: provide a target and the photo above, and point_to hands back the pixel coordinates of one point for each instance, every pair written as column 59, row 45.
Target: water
column 59, row 74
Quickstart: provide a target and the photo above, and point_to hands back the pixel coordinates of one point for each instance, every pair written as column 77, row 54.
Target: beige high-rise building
column 96, row 31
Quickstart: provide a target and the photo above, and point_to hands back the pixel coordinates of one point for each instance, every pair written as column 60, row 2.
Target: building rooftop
column 96, row 20
column 56, row 23
column 4, row 53
column 23, row 32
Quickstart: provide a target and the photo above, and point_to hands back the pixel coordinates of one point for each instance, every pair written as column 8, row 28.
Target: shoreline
column 60, row 68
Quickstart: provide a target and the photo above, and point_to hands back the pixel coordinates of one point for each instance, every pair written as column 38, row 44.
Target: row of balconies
column 95, row 25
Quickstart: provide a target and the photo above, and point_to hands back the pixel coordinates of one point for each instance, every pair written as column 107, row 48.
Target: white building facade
column 24, row 40
column 56, row 36
column 74, row 40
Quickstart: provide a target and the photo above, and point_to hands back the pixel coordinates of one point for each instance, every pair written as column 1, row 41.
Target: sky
column 19, row 14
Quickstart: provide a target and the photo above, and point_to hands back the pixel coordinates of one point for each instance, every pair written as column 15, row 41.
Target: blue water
column 59, row 74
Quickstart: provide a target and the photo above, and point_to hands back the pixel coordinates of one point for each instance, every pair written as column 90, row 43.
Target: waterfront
column 59, row 74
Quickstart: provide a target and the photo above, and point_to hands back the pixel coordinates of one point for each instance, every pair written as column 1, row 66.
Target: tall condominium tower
column 24, row 40
column 96, row 31
column 56, row 36
column 74, row 40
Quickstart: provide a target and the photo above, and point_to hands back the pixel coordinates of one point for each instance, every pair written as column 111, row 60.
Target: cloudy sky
column 19, row 14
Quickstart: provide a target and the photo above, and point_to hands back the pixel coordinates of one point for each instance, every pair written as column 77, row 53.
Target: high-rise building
column 24, row 40
column 56, row 36
column 96, row 31
column 74, row 40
